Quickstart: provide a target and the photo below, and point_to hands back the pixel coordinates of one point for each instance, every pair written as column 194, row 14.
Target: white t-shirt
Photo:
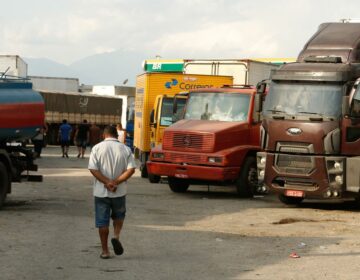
column 121, row 136
column 111, row 158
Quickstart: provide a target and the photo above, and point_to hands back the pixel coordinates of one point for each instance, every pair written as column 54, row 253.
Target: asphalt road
column 47, row 232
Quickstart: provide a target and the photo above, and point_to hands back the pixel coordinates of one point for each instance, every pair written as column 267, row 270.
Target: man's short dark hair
column 110, row 130
column 84, row 121
column 64, row 121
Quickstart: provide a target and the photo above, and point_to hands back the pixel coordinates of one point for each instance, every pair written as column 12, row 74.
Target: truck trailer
column 75, row 107
column 311, row 127
column 21, row 117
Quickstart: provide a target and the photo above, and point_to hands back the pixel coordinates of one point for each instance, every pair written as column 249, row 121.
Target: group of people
column 84, row 135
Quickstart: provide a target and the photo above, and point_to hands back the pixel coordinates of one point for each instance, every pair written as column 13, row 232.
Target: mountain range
column 111, row 68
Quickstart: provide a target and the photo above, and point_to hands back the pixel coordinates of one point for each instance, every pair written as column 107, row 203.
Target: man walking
column 112, row 164
column 82, row 138
column 64, row 137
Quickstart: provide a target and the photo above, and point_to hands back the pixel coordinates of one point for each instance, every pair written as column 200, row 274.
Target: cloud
column 230, row 39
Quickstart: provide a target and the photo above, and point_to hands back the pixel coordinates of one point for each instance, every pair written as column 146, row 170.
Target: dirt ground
column 47, row 232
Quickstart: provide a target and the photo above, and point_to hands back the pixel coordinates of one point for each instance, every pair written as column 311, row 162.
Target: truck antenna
column 4, row 73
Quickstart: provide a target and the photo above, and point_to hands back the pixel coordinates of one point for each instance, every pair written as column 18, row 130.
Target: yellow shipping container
column 150, row 85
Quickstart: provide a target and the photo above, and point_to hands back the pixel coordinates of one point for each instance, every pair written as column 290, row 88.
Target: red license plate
column 294, row 193
column 182, row 176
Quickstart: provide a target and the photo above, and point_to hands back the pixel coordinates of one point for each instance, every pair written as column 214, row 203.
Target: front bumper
column 315, row 176
column 196, row 172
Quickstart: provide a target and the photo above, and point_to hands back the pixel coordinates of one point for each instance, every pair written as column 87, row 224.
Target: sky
column 68, row 30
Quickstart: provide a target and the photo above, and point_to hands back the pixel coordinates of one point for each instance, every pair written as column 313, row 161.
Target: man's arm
column 103, row 179
column 124, row 176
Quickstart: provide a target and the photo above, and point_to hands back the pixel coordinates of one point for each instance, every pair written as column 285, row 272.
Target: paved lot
column 47, row 232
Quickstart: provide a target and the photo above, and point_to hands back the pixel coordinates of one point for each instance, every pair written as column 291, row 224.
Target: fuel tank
column 21, row 111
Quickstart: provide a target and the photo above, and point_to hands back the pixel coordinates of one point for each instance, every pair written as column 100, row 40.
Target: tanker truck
column 21, row 117
column 310, row 132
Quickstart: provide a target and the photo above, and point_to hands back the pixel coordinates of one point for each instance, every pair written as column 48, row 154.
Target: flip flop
column 104, row 257
column 118, row 248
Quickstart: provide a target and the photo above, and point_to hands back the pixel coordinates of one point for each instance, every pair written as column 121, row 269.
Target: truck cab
column 162, row 116
column 311, row 129
column 215, row 142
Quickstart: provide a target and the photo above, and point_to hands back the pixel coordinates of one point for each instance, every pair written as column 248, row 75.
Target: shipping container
column 13, row 65
column 55, row 84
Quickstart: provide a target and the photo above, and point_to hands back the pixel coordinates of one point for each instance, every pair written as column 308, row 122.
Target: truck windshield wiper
column 310, row 113
column 317, row 117
column 275, row 111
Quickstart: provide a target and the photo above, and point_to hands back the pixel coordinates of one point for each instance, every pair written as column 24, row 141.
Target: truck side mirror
column 261, row 87
column 257, row 107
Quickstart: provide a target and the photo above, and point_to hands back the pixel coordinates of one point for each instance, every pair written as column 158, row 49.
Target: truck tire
column 4, row 183
column 144, row 173
column 178, row 185
column 154, row 179
column 247, row 182
column 288, row 200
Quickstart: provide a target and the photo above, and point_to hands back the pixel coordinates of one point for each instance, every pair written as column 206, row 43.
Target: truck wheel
column 288, row 200
column 144, row 173
column 247, row 182
column 178, row 185
column 154, row 178
column 4, row 183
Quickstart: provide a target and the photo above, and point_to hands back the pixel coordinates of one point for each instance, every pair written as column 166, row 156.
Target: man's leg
column 118, row 224
column 102, row 219
column 83, row 148
column 118, row 216
column 63, row 150
column 79, row 151
column 66, row 150
column 104, row 235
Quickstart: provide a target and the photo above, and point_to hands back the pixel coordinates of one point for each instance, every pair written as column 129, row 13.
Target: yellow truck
column 163, row 116
column 148, row 87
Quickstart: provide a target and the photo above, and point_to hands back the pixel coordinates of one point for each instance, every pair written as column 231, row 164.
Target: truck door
column 154, row 120
column 351, row 125
column 351, row 146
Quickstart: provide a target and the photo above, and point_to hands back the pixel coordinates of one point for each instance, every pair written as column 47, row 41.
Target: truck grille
column 295, row 148
column 294, row 164
column 188, row 142
column 182, row 158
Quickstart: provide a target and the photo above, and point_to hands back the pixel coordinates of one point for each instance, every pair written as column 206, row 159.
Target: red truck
column 311, row 120
column 215, row 143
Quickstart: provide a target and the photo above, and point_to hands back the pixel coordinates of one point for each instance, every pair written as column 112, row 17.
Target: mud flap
column 353, row 174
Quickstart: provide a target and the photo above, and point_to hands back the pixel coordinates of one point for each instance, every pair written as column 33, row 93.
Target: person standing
column 64, row 137
column 39, row 140
column 94, row 135
column 121, row 133
column 82, row 138
column 112, row 164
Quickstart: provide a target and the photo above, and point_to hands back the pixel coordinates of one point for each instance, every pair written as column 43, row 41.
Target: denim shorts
column 106, row 207
column 81, row 143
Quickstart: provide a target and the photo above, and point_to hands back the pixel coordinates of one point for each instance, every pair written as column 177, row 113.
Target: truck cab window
column 218, row 107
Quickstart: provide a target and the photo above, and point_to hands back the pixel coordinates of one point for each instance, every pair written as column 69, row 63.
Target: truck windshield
column 311, row 99
column 217, row 106
column 166, row 117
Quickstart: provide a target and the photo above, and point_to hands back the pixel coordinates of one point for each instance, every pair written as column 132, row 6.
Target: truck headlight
column 158, row 155
column 337, row 165
column 263, row 160
column 261, row 174
column 339, row 179
column 215, row 159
